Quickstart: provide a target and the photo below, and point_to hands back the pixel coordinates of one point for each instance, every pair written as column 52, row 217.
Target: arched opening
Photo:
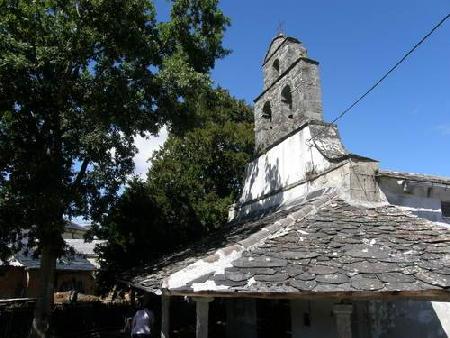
column 276, row 68
column 286, row 101
column 267, row 111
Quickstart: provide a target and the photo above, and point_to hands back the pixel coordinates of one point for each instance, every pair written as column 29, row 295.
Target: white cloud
column 444, row 129
column 146, row 146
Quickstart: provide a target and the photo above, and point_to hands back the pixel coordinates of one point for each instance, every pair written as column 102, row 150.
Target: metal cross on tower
column 281, row 28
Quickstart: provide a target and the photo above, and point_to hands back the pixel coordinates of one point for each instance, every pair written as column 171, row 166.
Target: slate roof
column 74, row 226
column 84, row 248
column 150, row 277
column 68, row 263
column 321, row 246
column 415, row 177
column 329, row 143
column 75, row 262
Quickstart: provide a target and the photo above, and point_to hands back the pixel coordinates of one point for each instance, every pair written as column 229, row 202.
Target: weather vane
column 281, row 28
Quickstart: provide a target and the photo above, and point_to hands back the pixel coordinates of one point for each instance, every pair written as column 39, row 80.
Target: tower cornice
column 268, row 56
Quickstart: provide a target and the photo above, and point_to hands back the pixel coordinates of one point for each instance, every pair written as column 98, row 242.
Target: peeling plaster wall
column 286, row 163
column 291, row 169
column 423, row 199
column 373, row 319
column 408, row 318
column 292, row 195
column 360, row 182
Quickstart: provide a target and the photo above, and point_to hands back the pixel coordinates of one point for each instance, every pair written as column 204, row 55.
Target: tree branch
column 81, row 173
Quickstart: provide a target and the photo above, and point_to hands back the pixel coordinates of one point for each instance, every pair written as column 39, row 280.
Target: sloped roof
column 76, row 262
column 150, row 277
column 327, row 141
column 415, row 177
column 82, row 247
column 69, row 263
column 323, row 246
column 74, row 226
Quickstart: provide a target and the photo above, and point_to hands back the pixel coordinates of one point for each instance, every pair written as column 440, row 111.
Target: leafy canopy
column 193, row 180
column 78, row 80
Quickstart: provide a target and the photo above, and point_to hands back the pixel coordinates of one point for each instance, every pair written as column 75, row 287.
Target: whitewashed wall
column 285, row 164
column 423, row 199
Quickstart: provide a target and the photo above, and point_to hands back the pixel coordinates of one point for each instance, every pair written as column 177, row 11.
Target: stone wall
column 359, row 182
column 291, row 93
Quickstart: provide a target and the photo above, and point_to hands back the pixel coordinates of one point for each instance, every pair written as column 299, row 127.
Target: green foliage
column 78, row 80
column 194, row 178
column 197, row 176
column 131, row 226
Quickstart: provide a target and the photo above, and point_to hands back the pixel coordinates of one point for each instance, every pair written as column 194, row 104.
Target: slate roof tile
column 336, row 248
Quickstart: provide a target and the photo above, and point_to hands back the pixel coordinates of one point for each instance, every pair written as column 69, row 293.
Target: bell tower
column 291, row 93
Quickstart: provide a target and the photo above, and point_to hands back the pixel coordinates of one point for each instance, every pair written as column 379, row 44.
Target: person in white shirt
column 141, row 326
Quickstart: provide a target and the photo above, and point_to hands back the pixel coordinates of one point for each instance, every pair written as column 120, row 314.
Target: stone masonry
column 291, row 92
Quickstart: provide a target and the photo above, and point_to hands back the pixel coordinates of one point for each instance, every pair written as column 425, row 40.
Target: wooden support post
column 202, row 316
column 165, row 316
column 343, row 315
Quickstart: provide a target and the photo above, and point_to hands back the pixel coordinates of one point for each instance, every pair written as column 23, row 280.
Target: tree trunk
column 45, row 301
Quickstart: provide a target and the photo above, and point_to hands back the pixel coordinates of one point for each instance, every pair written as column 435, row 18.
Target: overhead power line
column 394, row 67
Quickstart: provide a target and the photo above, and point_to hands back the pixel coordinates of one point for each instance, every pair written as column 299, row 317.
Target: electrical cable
column 393, row 68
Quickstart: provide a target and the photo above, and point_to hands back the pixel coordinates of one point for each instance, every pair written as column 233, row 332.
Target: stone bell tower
column 297, row 152
column 291, row 92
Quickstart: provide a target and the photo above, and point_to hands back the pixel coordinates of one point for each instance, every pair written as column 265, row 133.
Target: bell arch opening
column 276, row 68
column 267, row 111
column 286, row 101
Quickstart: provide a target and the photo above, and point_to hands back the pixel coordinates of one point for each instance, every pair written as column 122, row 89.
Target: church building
column 322, row 243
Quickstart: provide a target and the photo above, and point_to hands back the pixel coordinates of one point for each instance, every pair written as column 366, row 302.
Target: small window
column 267, row 112
column 445, row 208
column 276, row 67
column 286, row 101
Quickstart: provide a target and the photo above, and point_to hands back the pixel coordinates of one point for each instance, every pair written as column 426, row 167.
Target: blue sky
column 405, row 123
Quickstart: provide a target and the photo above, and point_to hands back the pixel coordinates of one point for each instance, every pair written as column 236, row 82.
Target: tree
column 195, row 177
column 193, row 180
column 78, row 81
